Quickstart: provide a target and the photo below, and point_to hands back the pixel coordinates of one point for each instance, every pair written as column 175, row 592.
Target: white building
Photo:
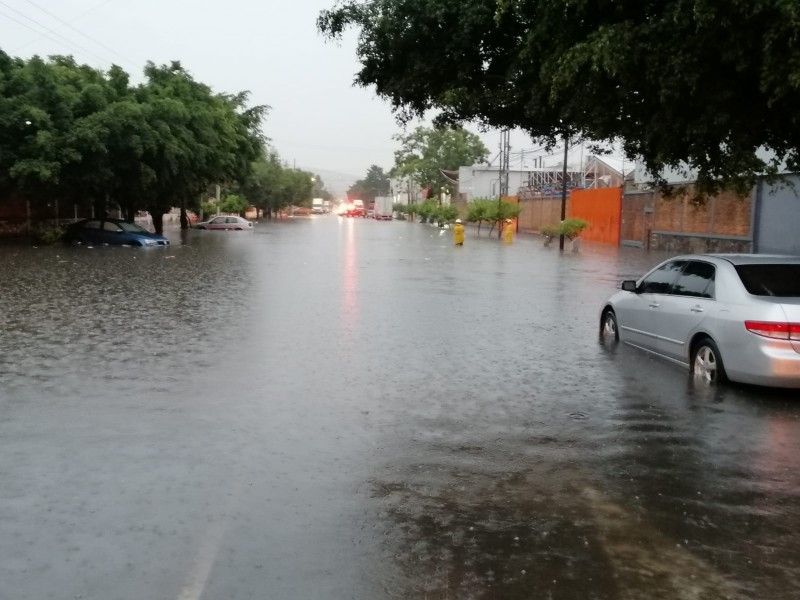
column 483, row 181
column 405, row 191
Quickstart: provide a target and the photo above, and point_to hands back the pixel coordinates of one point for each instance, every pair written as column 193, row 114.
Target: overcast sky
column 318, row 121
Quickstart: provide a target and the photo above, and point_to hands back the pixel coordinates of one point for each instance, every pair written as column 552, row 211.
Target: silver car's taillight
column 774, row 330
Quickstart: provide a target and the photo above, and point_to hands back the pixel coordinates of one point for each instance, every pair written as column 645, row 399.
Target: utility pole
column 564, row 191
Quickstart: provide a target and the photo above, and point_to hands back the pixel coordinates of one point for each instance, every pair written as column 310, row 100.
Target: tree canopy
column 703, row 83
column 71, row 132
column 272, row 187
column 426, row 151
column 374, row 184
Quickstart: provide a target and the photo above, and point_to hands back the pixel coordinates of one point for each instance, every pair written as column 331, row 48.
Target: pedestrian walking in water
column 508, row 232
column 458, row 233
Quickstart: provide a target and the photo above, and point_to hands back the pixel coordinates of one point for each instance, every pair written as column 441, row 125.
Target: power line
column 66, row 42
column 91, row 39
column 52, row 30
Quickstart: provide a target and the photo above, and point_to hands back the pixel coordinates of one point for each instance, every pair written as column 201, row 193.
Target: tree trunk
column 184, row 216
column 99, row 208
column 158, row 220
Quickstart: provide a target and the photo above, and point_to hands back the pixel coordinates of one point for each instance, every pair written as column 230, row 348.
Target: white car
column 225, row 222
column 725, row 316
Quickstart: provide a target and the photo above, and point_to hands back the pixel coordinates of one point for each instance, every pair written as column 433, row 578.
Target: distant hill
column 336, row 182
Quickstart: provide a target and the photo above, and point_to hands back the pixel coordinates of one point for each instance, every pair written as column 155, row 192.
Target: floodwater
column 351, row 409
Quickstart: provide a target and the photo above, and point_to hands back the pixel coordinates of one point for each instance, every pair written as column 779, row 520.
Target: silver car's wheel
column 609, row 332
column 707, row 363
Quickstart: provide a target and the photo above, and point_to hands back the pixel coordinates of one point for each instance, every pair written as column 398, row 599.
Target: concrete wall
column 777, row 229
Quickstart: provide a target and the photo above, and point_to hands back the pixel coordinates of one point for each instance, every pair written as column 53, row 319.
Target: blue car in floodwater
column 112, row 231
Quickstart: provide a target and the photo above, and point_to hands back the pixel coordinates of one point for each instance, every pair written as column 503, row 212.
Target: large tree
column 70, row 132
column 703, row 83
column 374, row 184
column 272, row 187
column 425, row 152
column 201, row 138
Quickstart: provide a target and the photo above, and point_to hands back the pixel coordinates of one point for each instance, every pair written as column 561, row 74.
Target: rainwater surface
column 331, row 408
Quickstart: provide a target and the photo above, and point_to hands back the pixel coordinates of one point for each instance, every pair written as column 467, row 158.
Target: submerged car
column 725, row 316
column 112, row 231
column 225, row 222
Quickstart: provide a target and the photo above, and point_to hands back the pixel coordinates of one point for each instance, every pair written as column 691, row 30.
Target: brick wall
column 722, row 215
column 539, row 212
column 720, row 224
column 633, row 227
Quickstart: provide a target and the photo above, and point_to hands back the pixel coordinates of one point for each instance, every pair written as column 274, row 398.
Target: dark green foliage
column 425, row 152
column 569, row 228
column 703, row 83
column 486, row 210
column 376, row 183
column 76, row 134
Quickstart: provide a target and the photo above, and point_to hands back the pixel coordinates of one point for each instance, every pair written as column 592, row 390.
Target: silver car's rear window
column 782, row 281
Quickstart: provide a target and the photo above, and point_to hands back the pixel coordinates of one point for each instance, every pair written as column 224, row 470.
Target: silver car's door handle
column 654, row 305
column 696, row 309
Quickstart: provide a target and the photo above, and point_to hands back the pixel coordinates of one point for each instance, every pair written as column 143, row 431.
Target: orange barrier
column 602, row 208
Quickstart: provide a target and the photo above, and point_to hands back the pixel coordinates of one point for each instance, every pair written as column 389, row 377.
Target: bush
column 426, row 210
column 550, row 231
column 48, row 234
column 400, row 207
column 233, row 204
column 446, row 214
column 491, row 211
column 208, row 208
column 570, row 229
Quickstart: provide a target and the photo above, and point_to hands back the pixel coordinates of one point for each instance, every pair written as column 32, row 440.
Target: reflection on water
column 354, row 409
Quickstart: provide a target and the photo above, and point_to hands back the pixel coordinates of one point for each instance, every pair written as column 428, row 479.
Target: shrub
column 570, row 229
column 208, row 208
column 446, row 214
column 48, row 234
column 233, row 204
column 426, row 210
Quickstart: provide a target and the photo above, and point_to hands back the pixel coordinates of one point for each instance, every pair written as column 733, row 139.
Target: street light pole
column 564, row 191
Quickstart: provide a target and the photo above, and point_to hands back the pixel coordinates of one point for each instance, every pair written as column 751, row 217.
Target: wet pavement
column 336, row 408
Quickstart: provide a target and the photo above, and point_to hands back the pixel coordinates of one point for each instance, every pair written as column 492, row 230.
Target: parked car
column 112, row 231
column 225, row 222
column 725, row 316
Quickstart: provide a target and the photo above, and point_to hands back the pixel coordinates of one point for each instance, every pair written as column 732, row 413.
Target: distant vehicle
column 113, row 232
column 725, row 316
column 318, row 206
column 356, row 209
column 383, row 208
column 226, row 222
column 326, row 206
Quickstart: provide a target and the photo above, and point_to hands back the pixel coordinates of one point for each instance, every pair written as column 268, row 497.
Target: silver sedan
column 225, row 222
column 725, row 316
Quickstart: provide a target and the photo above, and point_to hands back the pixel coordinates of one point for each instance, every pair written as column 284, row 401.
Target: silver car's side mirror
column 629, row 285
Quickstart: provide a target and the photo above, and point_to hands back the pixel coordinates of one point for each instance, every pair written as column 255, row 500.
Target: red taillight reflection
column 777, row 331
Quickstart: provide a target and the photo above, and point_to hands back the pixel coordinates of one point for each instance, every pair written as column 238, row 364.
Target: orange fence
column 602, row 208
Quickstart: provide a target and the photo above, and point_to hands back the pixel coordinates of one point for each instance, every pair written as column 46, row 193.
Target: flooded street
column 332, row 408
